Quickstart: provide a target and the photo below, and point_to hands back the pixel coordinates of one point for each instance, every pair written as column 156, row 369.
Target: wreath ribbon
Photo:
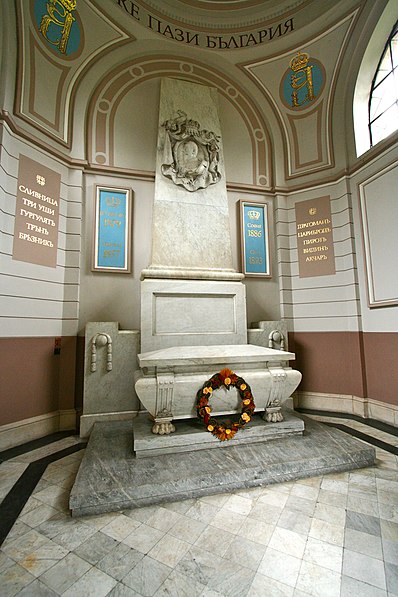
column 227, row 379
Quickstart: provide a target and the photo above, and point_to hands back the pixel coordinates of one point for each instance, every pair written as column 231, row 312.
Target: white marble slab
column 212, row 355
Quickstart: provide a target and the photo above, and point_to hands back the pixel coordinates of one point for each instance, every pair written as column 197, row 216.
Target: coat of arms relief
column 191, row 154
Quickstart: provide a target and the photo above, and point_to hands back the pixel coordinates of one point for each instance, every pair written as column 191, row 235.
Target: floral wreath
column 227, row 379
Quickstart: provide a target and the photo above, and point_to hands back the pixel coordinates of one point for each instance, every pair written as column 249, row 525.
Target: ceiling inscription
column 170, row 30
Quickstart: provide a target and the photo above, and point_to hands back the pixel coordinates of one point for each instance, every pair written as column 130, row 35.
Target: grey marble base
column 111, row 478
column 190, row 435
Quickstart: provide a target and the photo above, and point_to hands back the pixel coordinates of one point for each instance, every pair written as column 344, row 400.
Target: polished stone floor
column 333, row 535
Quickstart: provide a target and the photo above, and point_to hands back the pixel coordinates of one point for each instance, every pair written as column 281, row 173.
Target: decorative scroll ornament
column 227, row 379
column 191, row 154
column 101, row 339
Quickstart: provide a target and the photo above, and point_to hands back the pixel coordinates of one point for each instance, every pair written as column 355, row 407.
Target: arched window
column 383, row 99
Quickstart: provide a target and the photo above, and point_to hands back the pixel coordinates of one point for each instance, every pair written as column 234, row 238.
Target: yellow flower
column 210, row 428
column 205, row 391
column 245, row 417
column 227, row 431
column 209, row 390
column 243, row 386
column 208, row 409
column 246, row 402
column 227, row 381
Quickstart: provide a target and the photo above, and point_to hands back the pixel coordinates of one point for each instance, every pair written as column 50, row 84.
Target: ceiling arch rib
column 112, row 89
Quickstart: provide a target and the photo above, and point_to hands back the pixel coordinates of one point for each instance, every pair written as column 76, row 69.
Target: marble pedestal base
column 190, row 435
column 111, row 478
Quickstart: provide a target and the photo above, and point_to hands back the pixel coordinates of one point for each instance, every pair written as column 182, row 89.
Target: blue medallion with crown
column 303, row 82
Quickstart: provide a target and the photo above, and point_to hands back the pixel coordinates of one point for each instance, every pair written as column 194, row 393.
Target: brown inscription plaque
column 37, row 214
column 315, row 238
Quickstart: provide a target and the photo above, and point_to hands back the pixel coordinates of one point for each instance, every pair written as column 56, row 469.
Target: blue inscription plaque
column 255, row 239
column 112, row 230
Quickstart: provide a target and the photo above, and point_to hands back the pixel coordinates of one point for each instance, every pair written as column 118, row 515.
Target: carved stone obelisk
column 191, row 294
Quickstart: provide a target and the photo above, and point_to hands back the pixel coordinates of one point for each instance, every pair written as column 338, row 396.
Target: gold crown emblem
column 253, row 215
column 300, row 61
column 69, row 4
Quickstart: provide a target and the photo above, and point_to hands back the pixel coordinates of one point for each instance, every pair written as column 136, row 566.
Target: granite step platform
column 191, row 434
column 111, row 478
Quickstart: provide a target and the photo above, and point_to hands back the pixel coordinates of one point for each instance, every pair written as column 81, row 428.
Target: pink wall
column 351, row 363
column 34, row 381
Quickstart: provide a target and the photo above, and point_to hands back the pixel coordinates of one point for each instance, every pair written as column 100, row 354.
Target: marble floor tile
column 37, row 589
column 119, row 561
column 266, row 512
column 230, row 580
column 43, row 558
column 323, row 554
column 256, row 530
column 177, row 584
column 169, row 550
column 305, row 491
column 65, row 573
column 121, row 590
column 280, row 540
column 143, row 538
column 210, row 541
column 54, row 496
column 14, row 579
column 356, row 503
column 302, row 505
column 120, row 527
column 318, row 581
column 245, row 552
column 96, row 547
column 279, row 566
column 295, row 521
column 203, row 511
column 369, row 545
column 147, row 576
column 163, row 519
column 199, row 564
column 390, row 551
column 333, row 498
column 328, row 512
column 389, row 530
column 74, row 535
column 288, row 542
column 274, row 498
column 92, row 584
column 333, row 484
column 364, row 568
column 387, row 497
column 265, row 586
column 180, row 507
column 363, row 523
column 38, row 515
column 238, row 504
column 225, row 520
column 350, row 587
column 187, row 529
column 20, row 547
column 327, row 531
column 392, row 577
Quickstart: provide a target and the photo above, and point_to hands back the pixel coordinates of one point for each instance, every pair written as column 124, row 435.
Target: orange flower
column 225, row 373
column 210, row 428
column 246, row 402
column 227, row 381
column 245, row 417
column 243, row 386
